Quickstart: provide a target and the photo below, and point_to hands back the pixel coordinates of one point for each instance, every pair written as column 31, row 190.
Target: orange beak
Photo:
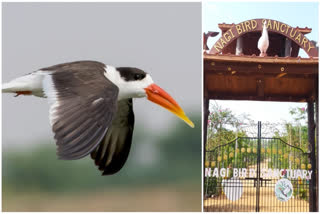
column 159, row 96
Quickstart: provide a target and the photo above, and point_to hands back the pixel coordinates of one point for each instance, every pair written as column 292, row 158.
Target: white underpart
column 128, row 89
column 52, row 95
column 263, row 42
column 40, row 84
column 30, row 82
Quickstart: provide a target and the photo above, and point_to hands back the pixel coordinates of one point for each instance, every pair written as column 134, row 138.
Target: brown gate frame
column 255, row 25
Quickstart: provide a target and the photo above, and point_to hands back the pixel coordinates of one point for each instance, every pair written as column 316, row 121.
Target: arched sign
column 255, row 25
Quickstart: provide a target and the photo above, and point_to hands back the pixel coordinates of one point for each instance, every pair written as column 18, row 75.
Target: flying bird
column 91, row 108
column 263, row 42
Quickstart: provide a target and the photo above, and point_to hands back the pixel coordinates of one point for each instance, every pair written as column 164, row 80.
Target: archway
column 232, row 32
column 228, row 76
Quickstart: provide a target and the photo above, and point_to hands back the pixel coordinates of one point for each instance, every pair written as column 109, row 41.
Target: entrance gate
column 243, row 176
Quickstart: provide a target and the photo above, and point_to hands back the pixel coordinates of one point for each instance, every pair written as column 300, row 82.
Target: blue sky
column 302, row 14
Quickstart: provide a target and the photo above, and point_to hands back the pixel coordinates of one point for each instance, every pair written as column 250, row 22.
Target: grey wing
column 113, row 151
column 83, row 104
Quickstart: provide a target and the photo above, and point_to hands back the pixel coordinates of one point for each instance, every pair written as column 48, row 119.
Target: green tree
column 296, row 133
column 224, row 126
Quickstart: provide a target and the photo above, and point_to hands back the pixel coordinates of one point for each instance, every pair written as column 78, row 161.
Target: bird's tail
column 11, row 87
column 26, row 85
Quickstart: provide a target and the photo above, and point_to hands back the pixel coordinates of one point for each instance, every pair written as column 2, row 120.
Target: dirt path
column 247, row 202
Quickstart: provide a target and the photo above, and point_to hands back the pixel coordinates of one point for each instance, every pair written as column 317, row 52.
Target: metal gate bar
column 258, row 166
column 257, row 192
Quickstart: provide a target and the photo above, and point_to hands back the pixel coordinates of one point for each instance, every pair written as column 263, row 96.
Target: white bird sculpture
column 263, row 42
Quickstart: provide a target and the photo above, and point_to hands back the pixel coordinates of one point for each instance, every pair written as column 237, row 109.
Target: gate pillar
column 312, row 157
column 204, row 137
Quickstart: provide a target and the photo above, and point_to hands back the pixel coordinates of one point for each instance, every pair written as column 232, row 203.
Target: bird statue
column 206, row 37
column 263, row 42
column 91, row 109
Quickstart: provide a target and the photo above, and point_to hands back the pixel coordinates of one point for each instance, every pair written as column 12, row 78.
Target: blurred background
column 163, row 171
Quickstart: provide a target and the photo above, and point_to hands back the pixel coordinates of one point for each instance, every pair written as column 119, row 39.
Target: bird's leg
column 23, row 93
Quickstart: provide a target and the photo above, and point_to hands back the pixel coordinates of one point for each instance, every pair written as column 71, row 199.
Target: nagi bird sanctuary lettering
column 265, row 173
column 253, row 25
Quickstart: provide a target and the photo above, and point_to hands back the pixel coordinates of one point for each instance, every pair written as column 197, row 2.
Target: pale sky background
column 128, row 34
column 164, row 39
column 302, row 14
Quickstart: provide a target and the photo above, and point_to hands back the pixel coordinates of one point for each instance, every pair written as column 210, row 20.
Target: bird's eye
column 138, row 76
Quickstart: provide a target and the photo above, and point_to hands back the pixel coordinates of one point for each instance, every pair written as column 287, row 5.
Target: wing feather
column 113, row 151
column 83, row 103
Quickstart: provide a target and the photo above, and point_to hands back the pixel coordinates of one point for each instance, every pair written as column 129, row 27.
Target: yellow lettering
column 231, row 33
column 218, row 46
column 227, row 36
column 247, row 24
column 239, row 29
column 243, row 27
column 304, row 41
column 276, row 25
column 293, row 34
column 222, row 42
column 282, row 25
column 298, row 38
column 269, row 26
column 253, row 24
column 287, row 29
column 310, row 46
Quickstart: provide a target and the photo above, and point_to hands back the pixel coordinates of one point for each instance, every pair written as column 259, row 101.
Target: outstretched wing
column 113, row 151
column 82, row 105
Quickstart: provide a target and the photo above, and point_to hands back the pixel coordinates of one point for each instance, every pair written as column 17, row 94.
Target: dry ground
column 247, row 202
column 145, row 199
